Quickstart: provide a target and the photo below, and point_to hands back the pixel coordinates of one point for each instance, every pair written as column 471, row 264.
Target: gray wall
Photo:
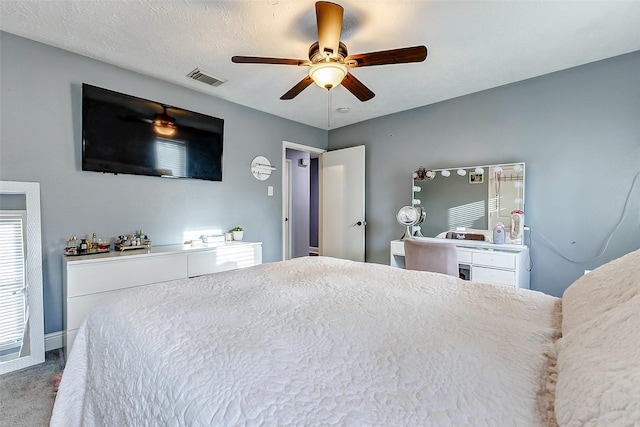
column 578, row 131
column 40, row 140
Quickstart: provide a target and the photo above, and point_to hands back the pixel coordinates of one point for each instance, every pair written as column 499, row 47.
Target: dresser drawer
column 490, row 275
column 225, row 258
column 495, row 259
column 69, row 338
column 78, row 307
column 201, row 263
column 89, row 278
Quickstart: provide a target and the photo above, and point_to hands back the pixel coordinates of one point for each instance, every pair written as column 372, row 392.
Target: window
column 12, row 280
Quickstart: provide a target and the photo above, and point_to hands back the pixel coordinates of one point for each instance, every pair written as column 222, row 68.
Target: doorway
column 340, row 209
column 300, row 183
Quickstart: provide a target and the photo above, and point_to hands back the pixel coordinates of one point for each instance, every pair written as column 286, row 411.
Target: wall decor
column 261, row 168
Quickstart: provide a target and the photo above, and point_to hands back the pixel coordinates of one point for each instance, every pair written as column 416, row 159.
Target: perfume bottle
column 72, row 245
column 84, row 246
column 94, row 243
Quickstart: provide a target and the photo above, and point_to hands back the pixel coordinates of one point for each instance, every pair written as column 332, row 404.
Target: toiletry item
column 498, row 234
column 72, row 246
column 84, row 246
column 517, row 226
column 94, row 243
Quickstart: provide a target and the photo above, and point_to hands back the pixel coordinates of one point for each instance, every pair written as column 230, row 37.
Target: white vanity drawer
column 397, row 247
column 119, row 273
column 495, row 259
column 491, row 275
column 464, row 257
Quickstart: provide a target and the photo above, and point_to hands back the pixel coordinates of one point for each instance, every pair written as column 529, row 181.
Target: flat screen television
column 129, row 135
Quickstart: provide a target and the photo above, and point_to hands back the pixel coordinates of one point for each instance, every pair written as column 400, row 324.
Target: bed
column 323, row 341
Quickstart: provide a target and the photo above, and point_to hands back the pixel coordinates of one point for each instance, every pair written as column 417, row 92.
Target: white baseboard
column 53, row 341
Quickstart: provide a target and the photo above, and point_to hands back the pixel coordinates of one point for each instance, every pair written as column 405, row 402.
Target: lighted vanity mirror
column 473, row 197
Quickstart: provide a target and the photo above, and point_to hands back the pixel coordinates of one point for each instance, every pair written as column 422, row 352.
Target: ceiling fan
column 329, row 60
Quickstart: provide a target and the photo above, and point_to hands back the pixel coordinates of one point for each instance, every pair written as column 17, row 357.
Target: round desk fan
column 410, row 216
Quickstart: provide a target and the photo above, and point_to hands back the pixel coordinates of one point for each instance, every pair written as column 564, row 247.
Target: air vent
column 203, row 77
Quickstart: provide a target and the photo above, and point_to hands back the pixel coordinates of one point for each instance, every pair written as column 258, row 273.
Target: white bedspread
column 313, row 341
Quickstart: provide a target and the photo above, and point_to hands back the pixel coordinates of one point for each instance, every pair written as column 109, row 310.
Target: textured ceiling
column 473, row 45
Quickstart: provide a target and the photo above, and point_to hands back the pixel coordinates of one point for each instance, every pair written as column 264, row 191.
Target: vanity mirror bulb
column 479, row 170
column 461, row 172
column 497, row 169
column 416, row 189
column 445, row 173
column 416, row 201
column 517, row 168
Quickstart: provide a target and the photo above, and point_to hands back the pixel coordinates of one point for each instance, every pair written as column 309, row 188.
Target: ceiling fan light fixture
column 329, row 59
column 164, row 125
column 328, row 75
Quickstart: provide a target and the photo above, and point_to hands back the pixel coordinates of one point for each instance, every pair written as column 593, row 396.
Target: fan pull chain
column 329, row 105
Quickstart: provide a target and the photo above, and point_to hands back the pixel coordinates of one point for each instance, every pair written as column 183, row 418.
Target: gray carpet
column 27, row 395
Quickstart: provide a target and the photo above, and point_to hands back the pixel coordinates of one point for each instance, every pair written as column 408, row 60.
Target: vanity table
column 473, row 199
column 481, row 261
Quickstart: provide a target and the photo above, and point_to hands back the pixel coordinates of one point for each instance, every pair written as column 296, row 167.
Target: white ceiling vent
column 204, row 77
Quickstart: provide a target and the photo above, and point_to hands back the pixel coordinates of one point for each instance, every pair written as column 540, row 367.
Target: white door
column 287, row 218
column 342, row 221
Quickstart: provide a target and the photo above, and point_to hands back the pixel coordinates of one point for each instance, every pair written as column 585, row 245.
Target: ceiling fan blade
column 393, row 56
column 261, row 60
column 329, row 21
column 356, row 87
column 294, row 91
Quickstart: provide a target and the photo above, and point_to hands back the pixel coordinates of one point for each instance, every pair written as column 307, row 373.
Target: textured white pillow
column 598, row 365
column 601, row 290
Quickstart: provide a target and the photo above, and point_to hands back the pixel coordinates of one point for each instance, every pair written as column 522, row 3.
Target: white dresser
column 482, row 261
column 89, row 279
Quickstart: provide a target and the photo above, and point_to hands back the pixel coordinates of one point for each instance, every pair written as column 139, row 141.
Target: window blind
column 12, row 279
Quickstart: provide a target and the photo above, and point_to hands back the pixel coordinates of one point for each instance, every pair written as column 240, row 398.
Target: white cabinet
column 90, row 279
column 485, row 262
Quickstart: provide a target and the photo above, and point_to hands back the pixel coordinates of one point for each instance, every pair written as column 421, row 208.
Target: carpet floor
column 27, row 395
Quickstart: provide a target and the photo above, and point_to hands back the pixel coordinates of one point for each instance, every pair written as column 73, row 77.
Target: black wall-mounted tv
column 129, row 135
